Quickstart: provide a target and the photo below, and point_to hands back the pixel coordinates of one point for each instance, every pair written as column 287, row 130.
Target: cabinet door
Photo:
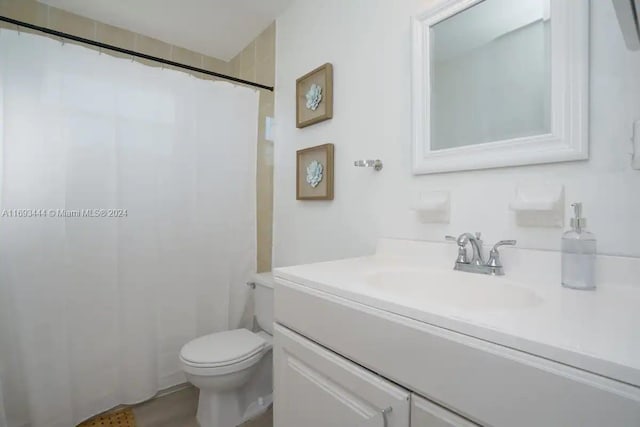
column 314, row 387
column 428, row 414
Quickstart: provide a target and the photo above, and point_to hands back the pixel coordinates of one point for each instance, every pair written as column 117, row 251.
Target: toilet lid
column 222, row 348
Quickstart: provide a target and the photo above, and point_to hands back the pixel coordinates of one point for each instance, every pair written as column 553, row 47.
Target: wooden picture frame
column 321, row 110
column 310, row 186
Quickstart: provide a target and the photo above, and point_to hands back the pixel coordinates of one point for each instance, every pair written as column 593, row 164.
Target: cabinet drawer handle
column 385, row 413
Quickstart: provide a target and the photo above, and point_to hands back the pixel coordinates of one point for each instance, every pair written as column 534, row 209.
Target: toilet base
column 223, row 388
column 221, row 409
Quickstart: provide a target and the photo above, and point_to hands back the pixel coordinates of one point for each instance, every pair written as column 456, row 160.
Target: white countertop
column 597, row 331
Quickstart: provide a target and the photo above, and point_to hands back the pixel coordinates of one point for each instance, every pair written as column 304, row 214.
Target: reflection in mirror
column 491, row 74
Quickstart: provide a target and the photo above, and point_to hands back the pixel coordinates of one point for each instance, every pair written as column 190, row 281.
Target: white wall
column 368, row 43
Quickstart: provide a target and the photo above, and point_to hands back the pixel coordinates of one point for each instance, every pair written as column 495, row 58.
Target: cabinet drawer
column 486, row 383
column 314, row 387
column 428, row 414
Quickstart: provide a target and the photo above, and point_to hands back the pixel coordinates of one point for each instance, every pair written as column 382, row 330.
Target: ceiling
column 218, row 28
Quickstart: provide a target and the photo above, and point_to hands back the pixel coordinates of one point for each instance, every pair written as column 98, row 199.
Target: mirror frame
column 568, row 139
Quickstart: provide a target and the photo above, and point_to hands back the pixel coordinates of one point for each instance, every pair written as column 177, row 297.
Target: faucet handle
column 503, row 243
column 462, row 250
column 494, row 255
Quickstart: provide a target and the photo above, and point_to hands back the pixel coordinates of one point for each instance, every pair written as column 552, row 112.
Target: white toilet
column 221, row 364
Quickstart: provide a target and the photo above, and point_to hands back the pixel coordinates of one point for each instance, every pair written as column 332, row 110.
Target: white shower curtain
column 94, row 309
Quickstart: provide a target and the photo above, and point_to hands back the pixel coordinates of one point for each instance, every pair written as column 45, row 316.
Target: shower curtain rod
column 131, row 52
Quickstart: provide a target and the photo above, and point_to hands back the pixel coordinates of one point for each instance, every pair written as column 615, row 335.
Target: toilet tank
column 263, row 301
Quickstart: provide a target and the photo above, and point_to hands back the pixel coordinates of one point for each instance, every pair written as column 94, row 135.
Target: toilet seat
column 223, row 352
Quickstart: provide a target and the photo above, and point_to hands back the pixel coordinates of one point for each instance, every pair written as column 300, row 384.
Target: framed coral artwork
column 314, row 96
column 314, row 173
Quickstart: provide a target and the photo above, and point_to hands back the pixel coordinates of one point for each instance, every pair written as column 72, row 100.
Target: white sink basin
column 456, row 289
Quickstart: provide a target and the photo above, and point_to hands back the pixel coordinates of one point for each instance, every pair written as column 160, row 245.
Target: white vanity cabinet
column 317, row 388
column 341, row 363
column 427, row 414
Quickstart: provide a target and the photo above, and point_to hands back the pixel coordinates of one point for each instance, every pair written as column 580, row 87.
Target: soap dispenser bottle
column 578, row 253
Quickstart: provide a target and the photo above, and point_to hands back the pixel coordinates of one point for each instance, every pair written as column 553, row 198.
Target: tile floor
column 179, row 410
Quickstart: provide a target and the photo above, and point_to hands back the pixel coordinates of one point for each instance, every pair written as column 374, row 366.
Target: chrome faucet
column 477, row 264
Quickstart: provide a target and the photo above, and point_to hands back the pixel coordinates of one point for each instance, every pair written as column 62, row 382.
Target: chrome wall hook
column 375, row 164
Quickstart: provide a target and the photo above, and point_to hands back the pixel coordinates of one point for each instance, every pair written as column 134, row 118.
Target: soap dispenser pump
column 578, row 253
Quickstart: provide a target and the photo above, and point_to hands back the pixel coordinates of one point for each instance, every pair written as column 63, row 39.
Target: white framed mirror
column 499, row 83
